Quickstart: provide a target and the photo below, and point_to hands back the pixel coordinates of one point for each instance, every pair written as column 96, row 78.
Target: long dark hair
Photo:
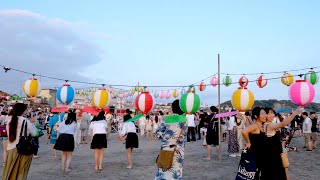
column 176, row 107
column 18, row 110
column 72, row 117
column 100, row 116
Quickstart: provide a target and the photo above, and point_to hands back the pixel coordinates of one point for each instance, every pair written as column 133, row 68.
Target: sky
column 158, row 43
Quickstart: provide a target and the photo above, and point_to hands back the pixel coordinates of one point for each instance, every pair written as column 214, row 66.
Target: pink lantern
column 168, row 95
column 214, row 81
column 302, row 93
column 126, row 94
column 161, row 95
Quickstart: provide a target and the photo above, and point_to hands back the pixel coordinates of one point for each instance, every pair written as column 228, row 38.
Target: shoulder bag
column 27, row 145
column 165, row 157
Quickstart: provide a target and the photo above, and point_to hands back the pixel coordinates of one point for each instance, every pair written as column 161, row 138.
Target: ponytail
column 18, row 110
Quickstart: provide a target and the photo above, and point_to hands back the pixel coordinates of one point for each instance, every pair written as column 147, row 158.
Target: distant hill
column 278, row 104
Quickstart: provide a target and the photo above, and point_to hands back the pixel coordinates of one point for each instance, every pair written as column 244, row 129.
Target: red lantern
column 243, row 81
column 144, row 102
column 262, row 81
column 202, row 86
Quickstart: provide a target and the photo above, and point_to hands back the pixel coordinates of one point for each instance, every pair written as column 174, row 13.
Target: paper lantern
column 262, row 81
column 144, row 102
column 189, row 102
column 138, row 88
column 242, row 99
column 287, row 79
column 133, row 91
column 202, row 86
column 302, row 93
column 175, row 93
column 168, row 95
column 161, row 95
column 126, row 94
column 227, row 81
column 101, row 98
column 214, row 81
column 156, row 94
column 243, row 81
column 31, row 87
column 312, row 77
column 65, row 94
column 183, row 91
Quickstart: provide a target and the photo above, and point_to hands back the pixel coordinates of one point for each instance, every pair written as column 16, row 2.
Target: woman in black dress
column 212, row 137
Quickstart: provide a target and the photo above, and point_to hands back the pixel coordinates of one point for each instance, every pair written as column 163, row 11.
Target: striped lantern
column 175, row 93
column 161, row 95
column 287, row 79
column 101, row 98
column 168, row 95
column 242, row 99
column 214, row 81
column 311, row 77
column 183, row 91
column 202, row 86
column 31, row 87
column 243, row 81
column 262, row 81
column 65, row 94
column 144, row 102
column 156, row 94
column 189, row 102
column 227, row 81
column 302, row 92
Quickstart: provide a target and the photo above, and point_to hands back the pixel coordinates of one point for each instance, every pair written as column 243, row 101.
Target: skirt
column 99, row 141
column 132, row 141
column 17, row 166
column 65, row 142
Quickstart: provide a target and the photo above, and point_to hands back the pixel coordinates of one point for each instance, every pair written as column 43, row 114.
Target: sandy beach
column 303, row 165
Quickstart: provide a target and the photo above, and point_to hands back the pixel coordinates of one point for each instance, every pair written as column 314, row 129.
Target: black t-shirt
column 314, row 125
column 202, row 118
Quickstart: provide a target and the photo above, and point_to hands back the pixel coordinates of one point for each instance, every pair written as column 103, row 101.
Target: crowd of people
column 266, row 134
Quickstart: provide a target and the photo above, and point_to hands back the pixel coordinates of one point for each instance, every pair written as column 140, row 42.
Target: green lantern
column 311, row 77
column 227, row 81
column 189, row 102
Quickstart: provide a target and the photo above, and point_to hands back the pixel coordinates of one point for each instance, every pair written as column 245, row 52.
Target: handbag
column 3, row 131
column 26, row 145
column 165, row 157
column 247, row 169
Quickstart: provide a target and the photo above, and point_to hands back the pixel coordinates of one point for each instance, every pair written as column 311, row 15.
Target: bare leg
column 96, row 159
column 101, row 154
column 130, row 159
column 5, row 145
column 54, row 152
column 287, row 173
column 63, row 161
column 68, row 161
column 209, row 148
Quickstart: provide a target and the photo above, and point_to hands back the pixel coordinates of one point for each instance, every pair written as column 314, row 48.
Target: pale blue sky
column 176, row 42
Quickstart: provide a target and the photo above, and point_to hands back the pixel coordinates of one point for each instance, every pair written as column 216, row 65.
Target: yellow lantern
column 175, row 93
column 31, row 87
column 133, row 91
column 242, row 99
column 287, row 79
column 100, row 98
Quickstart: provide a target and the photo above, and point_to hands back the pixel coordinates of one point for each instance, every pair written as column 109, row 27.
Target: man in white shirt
column 142, row 125
column 191, row 127
column 307, row 124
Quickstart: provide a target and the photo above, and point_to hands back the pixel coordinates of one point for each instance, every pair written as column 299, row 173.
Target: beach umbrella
column 101, row 98
column 65, row 94
column 175, row 93
column 311, row 77
column 202, row 86
column 31, row 87
column 227, row 81
column 214, row 81
column 262, row 81
column 302, row 93
column 287, row 79
column 242, row 99
column 144, row 102
column 243, row 81
column 168, row 95
column 189, row 102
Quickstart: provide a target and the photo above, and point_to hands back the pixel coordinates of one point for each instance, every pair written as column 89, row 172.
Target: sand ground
column 303, row 165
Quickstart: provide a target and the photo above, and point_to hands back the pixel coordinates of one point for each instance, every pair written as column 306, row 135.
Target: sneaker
column 232, row 155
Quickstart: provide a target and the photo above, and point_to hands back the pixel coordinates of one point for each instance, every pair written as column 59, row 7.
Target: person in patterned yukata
column 171, row 137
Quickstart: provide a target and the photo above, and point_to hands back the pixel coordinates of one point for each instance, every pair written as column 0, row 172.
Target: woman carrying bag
column 17, row 165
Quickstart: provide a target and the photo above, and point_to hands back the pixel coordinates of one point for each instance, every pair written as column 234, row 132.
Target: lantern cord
column 154, row 86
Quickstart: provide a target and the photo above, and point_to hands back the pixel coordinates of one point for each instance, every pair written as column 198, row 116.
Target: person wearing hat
column 129, row 133
column 109, row 120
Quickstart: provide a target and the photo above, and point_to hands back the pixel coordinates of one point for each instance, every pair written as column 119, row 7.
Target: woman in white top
column 98, row 131
column 149, row 127
column 129, row 133
column 17, row 165
column 65, row 141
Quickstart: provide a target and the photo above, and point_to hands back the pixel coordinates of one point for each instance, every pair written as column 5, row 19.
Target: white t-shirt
column 128, row 127
column 142, row 121
column 190, row 120
column 98, row 127
column 67, row 129
column 231, row 123
column 307, row 122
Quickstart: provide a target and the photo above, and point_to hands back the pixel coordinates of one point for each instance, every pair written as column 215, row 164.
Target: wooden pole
column 219, row 109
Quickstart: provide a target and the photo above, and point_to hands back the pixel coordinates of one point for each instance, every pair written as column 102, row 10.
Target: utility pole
column 219, row 109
